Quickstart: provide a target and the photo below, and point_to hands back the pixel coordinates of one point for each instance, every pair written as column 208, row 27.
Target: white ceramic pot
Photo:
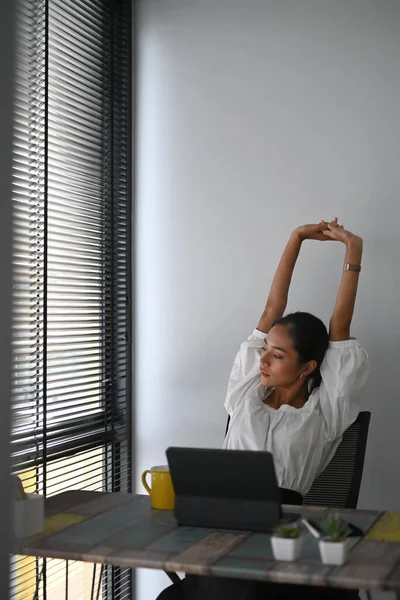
column 287, row 548
column 28, row 515
column 333, row 553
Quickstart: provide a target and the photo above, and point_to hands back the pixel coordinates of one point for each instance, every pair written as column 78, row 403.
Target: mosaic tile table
column 123, row 530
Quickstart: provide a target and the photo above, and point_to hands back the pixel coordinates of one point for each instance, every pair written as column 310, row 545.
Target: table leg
column 66, row 580
column 174, row 577
column 36, row 594
column 93, row 581
column 99, row 585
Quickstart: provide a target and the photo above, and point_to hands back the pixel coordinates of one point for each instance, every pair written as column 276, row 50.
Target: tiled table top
column 123, row 530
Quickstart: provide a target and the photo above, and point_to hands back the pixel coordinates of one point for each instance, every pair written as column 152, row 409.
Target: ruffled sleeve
column 344, row 372
column 245, row 374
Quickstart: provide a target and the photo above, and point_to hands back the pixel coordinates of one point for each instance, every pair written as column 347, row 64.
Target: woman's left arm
column 339, row 326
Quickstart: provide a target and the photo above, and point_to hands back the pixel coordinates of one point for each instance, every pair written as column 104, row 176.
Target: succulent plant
column 288, row 531
column 335, row 528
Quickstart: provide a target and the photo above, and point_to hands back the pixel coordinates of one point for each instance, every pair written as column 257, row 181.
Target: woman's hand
column 316, row 231
column 333, row 231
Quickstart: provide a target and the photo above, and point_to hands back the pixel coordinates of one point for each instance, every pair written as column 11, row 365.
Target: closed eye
column 264, row 349
column 278, row 356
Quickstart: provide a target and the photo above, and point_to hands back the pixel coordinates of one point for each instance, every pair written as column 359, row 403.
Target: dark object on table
column 228, row 489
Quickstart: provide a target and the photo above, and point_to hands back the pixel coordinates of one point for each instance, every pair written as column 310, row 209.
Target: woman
column 293, row 391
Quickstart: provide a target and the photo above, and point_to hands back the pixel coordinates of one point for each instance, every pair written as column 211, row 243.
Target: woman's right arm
column 245, row 374
column 278, row 295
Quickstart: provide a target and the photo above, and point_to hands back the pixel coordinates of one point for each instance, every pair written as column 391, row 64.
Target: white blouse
column 302, row 440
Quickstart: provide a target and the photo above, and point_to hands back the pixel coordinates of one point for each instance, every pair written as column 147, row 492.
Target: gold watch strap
column 350, row 267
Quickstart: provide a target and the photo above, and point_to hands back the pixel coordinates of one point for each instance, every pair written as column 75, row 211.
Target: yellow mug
column 161, row 491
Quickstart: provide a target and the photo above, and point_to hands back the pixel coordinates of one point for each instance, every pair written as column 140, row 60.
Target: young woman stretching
column 293, row 391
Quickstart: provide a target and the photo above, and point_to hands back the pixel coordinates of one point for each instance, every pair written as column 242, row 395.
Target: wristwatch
column 350, row 267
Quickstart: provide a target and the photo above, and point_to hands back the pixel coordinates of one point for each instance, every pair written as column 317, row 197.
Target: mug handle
column 145, row 484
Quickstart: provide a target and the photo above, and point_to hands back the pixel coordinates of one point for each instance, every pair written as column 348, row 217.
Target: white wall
column 255, row 116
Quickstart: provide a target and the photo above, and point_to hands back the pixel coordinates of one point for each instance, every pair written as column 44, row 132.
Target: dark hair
column 310, row 339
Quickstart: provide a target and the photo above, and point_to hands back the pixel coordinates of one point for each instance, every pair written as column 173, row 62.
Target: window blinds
column 72, row 267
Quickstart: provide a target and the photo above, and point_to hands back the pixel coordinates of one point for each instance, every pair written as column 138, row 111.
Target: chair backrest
column 339, row 484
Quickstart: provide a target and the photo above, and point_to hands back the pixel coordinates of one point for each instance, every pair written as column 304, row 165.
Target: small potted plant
column 333, row 546
column 287, row 542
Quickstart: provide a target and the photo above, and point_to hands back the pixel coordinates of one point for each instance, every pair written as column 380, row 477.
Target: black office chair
column 339, row 484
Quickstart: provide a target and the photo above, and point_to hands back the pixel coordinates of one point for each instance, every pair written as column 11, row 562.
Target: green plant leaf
column 287, row 531
column 335, row 527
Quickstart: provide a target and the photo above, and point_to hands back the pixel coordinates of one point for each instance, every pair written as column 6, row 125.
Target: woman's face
column 280, row 363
